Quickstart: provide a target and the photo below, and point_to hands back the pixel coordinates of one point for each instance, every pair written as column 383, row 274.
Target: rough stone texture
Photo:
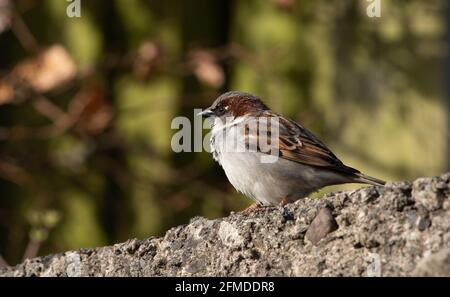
column 405, row 226
column 323, row 224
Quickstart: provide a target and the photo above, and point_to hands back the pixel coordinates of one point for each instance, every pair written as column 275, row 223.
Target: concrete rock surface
column 402, row 229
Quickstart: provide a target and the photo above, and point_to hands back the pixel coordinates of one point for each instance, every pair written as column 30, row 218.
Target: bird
column 270, row 158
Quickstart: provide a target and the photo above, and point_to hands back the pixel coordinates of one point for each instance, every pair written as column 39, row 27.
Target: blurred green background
column 86, row 104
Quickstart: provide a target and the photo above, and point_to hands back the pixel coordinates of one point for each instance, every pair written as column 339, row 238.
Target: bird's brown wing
column 299, row 145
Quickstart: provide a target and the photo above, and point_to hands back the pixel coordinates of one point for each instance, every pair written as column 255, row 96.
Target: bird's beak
column 206, row 113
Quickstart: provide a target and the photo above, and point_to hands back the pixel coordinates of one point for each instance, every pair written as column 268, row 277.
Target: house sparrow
column 302, row 163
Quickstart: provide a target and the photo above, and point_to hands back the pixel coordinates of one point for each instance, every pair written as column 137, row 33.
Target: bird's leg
column 284, row 201
column 252, row 207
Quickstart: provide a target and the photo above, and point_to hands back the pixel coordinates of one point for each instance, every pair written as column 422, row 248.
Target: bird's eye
column 221, row 109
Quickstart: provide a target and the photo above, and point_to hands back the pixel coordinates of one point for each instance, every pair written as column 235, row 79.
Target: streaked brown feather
column 299, row 145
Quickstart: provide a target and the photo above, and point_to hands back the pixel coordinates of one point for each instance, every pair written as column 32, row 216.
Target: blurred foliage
column 86, row 104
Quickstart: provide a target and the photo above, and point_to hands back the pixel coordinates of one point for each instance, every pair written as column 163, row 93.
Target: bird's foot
column 254, row 207
column 283, row 202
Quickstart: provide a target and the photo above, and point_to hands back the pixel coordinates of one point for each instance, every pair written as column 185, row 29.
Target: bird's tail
column 365, row 179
